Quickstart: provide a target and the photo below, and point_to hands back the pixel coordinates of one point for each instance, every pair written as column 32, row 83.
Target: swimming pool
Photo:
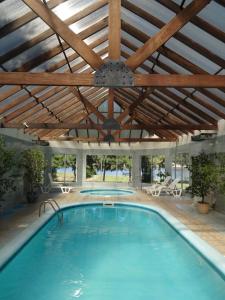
column 107, row 192
column 120, row 252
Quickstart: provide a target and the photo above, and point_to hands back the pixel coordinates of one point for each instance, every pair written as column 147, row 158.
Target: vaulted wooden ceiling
column 51, row 52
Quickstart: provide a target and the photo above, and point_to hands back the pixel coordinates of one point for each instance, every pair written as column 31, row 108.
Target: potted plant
column 33, row 163
column 205, row 176
column 7, row 163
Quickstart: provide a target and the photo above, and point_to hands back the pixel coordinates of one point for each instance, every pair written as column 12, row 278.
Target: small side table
column 177, row 193
column 66, row 189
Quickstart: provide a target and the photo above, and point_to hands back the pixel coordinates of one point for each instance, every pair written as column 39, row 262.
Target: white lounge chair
column 171, row 189
column 53, row 184
column 165, row 183
column 57, row 185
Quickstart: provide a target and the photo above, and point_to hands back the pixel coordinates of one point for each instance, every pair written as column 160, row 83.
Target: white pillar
column 136, row 170
column 48, row 167
column 168, row 163
column 81, row 167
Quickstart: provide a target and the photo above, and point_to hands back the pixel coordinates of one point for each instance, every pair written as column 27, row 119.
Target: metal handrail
column 54, row 205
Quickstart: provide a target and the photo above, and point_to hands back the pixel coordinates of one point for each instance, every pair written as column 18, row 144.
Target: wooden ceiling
column 53, row 93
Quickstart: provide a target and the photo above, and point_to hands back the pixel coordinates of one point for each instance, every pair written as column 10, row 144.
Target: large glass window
column 109, row 168
column 152, row 168
column 158, row 164
column 180, row 170
column 146, row 169
column 64, row 168
column 93, row 168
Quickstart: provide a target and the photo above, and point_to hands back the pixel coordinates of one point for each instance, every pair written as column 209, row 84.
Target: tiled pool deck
column 210, row 228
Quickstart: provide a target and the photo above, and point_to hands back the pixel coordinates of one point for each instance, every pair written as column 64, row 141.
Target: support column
column 136, row 170
column 48, row 167
column 168, row 162
column 81, row 167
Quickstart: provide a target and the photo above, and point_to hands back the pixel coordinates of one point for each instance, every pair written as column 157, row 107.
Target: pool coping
column 216, row 259
column 131, row 192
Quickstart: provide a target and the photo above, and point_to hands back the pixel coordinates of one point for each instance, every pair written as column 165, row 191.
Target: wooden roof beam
column 117, row 140
column 164, row 102
column 205, row 26
column 65, row 33
column 53, row 68
column 21, row 21
column 178, row 35
column 64, row 125
column 147, row 117
column 140, row 80
column 191, row 107
column 114, row 29
column 155, row 112
column 134, row 105
column 48, row 99
column 111, row 104
column 160, row 38
column 88, row 105
column 195, row 98
column 78, row 116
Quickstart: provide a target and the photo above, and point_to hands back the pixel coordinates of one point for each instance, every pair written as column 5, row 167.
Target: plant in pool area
column 7, row 163
column 220, row 159
column 205, row 175
column 33, row 163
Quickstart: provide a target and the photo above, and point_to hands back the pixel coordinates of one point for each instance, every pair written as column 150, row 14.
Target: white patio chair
column 152, row 187
column 57, row 185
column 66, row 189
column 53, row 184
column 171, row 189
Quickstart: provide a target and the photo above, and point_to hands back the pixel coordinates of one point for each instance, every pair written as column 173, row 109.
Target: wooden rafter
column 77, row 114
column 67, row 117
column 65, row 33
column 199, row 22
column 23, row 20
column 149, row 115
column 160, row 109
column 178, row 35
column 49, row 53
column 165, row 33
column 114, row 29
column 195, row 98
column 164, row 109
column 140, row 80
column 93, row 125
column 134, row 105
column 53, row 68
column 143, row 114
column 90, row 107
column 118, row 140
column 111, row 104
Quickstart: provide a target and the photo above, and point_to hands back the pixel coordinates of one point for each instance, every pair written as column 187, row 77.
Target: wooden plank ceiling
column 50, row 50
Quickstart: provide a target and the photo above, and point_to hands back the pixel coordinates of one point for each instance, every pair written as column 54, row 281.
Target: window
column 64, row 167
column 108, row 168
column 180, row 171
column 152, row 168
column 146, row 169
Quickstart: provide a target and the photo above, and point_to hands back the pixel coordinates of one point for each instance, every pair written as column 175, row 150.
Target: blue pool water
column 107, row 192
column 105, row 253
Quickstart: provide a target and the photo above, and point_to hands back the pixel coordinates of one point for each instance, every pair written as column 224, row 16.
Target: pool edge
column 131, row 192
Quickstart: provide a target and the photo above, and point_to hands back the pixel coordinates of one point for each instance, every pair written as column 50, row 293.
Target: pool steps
column 54, row 205
column 109, row 204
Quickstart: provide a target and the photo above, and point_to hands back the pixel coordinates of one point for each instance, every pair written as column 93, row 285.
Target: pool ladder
column 54, row 205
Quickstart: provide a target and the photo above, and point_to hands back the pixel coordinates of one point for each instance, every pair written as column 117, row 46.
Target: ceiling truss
column 159, row 104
